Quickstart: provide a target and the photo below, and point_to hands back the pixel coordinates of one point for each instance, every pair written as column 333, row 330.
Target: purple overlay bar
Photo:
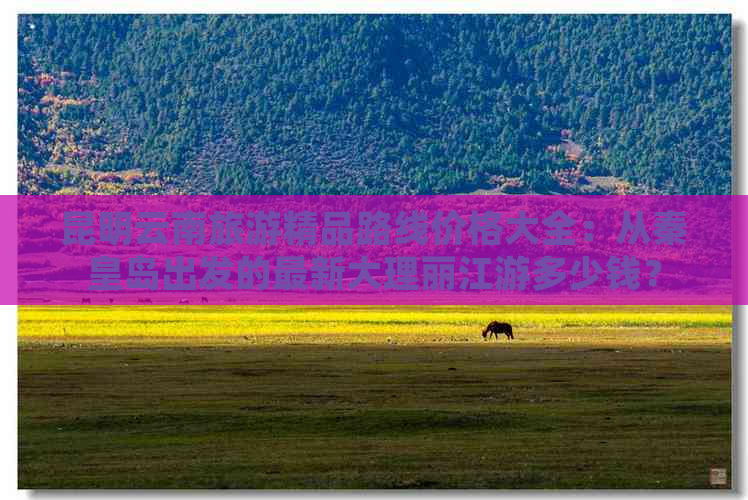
column 374, row 250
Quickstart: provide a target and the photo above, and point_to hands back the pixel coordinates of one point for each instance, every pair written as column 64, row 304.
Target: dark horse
column 495, row 328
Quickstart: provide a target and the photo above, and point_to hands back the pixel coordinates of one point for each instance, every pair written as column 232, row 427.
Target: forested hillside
column 374, row 104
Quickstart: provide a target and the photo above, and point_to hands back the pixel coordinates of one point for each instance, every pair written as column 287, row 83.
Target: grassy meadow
column 373, row 397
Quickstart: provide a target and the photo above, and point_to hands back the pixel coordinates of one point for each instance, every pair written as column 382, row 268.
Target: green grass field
column 400, row 397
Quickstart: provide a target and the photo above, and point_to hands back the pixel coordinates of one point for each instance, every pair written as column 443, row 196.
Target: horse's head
column 485, row 332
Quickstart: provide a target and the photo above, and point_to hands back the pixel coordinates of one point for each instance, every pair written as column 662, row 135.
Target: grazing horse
column 86, row 300
column 203, row 300
column 183, row 301
column 495, row 328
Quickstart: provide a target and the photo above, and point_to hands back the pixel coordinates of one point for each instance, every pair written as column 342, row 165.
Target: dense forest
column 395, row 104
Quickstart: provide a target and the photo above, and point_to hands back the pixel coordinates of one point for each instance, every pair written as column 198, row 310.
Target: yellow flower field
column 366, row 324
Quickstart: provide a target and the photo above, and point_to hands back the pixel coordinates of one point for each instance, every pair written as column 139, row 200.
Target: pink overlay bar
column 9, row 250
column 345, row 250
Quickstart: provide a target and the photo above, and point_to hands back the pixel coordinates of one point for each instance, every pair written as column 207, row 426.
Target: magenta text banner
column 332, row 250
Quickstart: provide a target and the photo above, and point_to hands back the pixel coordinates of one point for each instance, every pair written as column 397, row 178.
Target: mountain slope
column 390, row 104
